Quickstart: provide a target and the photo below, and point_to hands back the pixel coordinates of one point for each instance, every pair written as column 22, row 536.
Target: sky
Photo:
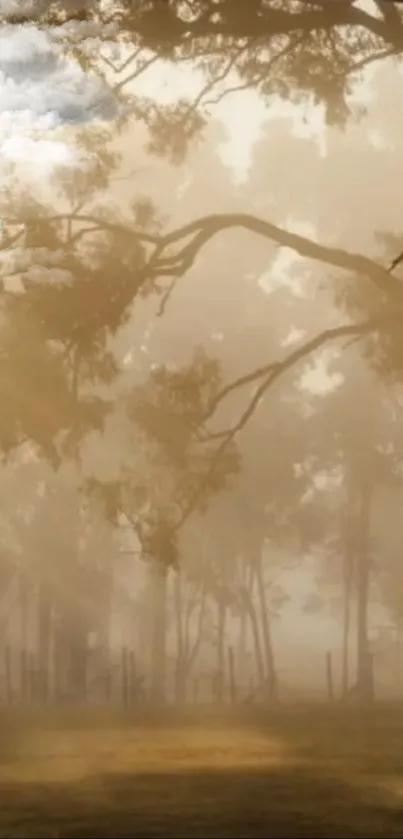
column 44, row 97
column 41, row 90
column 42, row 93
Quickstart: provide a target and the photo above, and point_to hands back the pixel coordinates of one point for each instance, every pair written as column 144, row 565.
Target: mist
column 201, row 371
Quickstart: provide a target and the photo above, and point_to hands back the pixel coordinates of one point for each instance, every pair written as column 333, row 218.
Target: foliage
column 297, row 50
column 164, row 415
column 72, row 285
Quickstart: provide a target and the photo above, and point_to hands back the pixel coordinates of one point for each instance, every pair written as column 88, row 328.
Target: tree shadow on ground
column 319, row 771
column 201, row 804
column 365, row 738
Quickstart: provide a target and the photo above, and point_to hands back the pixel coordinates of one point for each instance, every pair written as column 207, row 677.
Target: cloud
column 43, row 155
column 42, row 90
column 35, row 76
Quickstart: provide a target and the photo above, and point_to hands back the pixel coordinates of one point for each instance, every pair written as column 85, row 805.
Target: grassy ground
column 311, row 771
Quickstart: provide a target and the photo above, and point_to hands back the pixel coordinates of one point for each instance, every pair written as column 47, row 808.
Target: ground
column 309, row 771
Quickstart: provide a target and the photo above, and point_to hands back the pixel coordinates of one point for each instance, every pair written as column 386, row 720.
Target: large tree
column 294, row 49
column 77, row 273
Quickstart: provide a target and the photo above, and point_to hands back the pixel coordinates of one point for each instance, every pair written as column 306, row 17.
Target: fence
column 114, row 678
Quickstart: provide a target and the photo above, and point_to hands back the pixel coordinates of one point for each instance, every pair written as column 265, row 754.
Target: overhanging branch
column 204, row 229
column 269, row 375
column 272, row 371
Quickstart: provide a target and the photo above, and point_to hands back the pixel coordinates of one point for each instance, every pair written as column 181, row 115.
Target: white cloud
column 294, row 336
column 316, row 377
column 41, row 155
column 35, row 76
column 41, row 92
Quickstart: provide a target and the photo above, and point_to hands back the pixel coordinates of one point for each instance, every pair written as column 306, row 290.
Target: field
column 307, row 771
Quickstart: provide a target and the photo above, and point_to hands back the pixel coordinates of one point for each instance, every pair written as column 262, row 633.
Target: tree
column 298, row 50
column 61, row 554
column 158, row 496
column 167, row 256
column 104, row 263
column 358, row 439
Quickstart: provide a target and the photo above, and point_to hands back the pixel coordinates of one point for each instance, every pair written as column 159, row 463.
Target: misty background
column 268, row 567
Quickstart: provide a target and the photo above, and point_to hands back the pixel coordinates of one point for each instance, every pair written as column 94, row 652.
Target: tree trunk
column 231, row 672
column 348, row 562
column 242, row 640
column 256, row 636
column 222, row 615
column 364, row 660
column 398, row 663
column 78, row 662
column 242, row 644
column 180, row 668
column 345, row 678
column 266, row 631
column 158, row 652
column 191, row 651
column 24, row 599
column 44, row 642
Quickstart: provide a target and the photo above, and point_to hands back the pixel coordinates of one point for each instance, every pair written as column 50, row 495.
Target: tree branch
column 136, row 73
column 395, row 262
column 97, row 224
column 389, row 12
column 238, row 22
column 270, row 374
column 201, row 231
column 204, row 229
column 273, row 370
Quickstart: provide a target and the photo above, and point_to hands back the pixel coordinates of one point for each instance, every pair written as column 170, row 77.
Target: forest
column 201, row 374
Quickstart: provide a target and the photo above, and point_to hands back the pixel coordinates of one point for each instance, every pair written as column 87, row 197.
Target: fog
column 201, row 404
column 249, row 593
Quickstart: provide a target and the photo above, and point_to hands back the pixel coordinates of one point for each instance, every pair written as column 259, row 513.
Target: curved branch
column 201, row 231
column 204, row 229
column 270, row 374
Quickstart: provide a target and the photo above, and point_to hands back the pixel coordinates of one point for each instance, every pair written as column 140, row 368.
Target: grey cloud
column 35, row 77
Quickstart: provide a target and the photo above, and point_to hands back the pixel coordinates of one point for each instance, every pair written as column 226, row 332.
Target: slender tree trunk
column 191, row 651
column 231, row 672
column 266, row 631
column 346, row 624
column 24, row 633
column 44, row 641
column 348, row 562
column 242, row 644
column 72, row 621
column 103, row 651
column 79, row 661
column 180, row 669
column 59, row 658
column 222, row 615
column 398, row 663
column 242, row 639
column 256, row 637
column 364, row 661
column 158, row 661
